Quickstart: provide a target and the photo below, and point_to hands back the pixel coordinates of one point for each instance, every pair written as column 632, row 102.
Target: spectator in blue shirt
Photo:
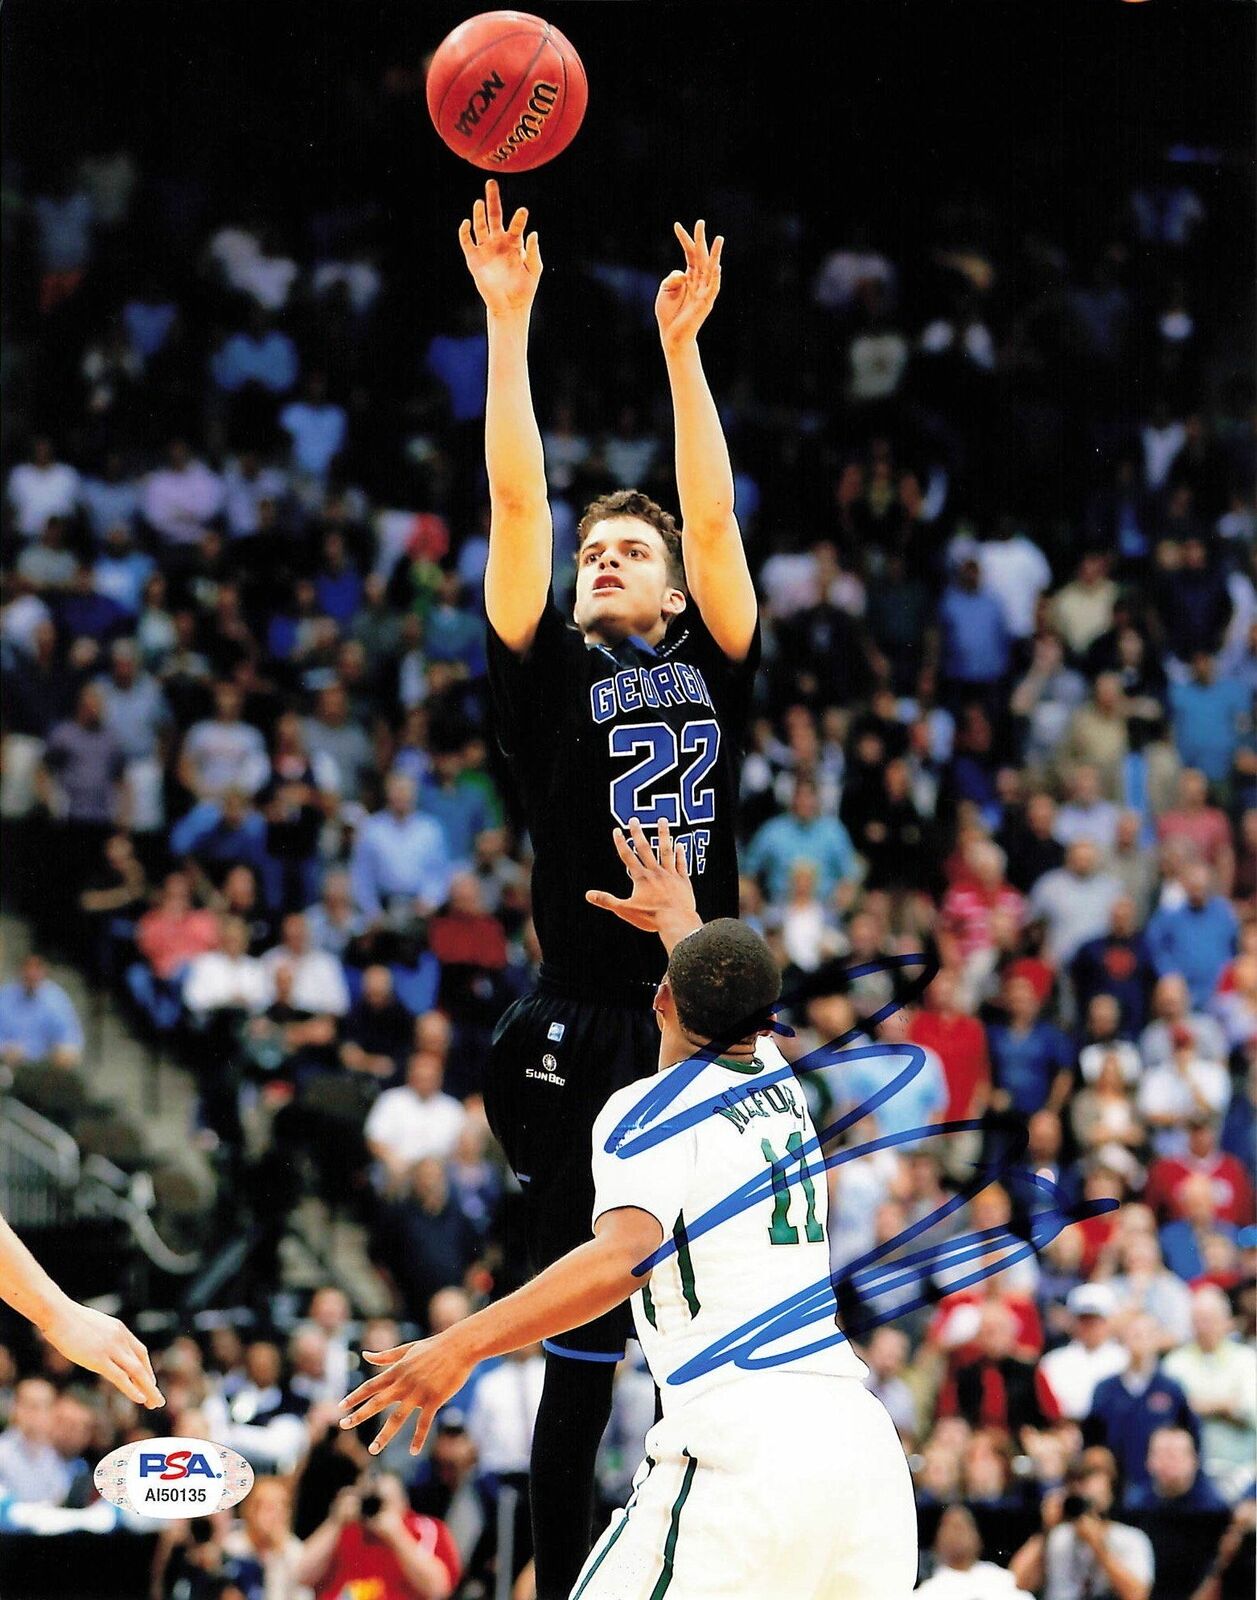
column 1118, row 963
column 318, row 428
column 121, row 571
column 82, row 612
column 918, row 1104
column 1196, row 939
column 802, row 835
column 1198, row 602
column 975, row 643
column 460, row 364
column 1208, row 718
column 1184, row 1239
column 223, row 833
column 1127, row 1409
column 1031, row 1060
column 1174, row 1479
column 1239, row 1129
column 259, row 355
column 399, row 860
column 149, row 319
column 338, row 583
column 38, row 1021
column 458, row 808
column 452, row 632
column 111, row 500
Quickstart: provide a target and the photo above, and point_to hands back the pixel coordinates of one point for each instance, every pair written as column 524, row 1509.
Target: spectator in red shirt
column 1038, row 973
column 173, row 932
column 954, row 1326
column 1106, row 1178
column 972, row 904
column 464, row 934
column 471, row 947
column 1203, row 826
column 959, row 1041
column 394, row 1554
column 168, row 937
column 1232, row 1190
column 997, row 1389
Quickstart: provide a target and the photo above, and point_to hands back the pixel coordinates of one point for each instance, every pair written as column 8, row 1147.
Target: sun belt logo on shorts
column 548, row 1070
column 174, row 1477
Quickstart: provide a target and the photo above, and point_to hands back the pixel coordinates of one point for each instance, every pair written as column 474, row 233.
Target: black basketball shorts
column 556, row 1060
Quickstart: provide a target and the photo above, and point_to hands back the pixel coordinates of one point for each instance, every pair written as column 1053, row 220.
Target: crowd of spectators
column 1004, row 719
column 323, row 1514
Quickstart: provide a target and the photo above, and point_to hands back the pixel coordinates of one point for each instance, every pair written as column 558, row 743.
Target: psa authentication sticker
column 174, row 1477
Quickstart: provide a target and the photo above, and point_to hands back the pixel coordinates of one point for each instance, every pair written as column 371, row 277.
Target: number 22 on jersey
column 668, row 783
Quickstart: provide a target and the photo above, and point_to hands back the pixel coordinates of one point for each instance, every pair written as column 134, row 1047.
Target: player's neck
column 674, row 1050
column 612, row 638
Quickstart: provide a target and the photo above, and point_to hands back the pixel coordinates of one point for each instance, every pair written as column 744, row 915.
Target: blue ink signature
column 986, row 1251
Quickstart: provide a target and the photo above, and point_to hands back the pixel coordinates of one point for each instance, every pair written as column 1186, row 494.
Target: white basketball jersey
column 750, row 1154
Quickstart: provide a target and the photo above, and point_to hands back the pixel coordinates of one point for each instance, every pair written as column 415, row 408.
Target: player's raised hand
column 685, row 298
column 420, row 1376
column 103, row 1344
column 505, row 263
column 662, row 900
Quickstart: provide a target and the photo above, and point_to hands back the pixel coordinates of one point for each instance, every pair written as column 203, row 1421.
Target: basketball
column 506, row 91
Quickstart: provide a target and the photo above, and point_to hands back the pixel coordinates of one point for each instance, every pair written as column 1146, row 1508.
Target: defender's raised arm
column 716, row 568
column 506, row 266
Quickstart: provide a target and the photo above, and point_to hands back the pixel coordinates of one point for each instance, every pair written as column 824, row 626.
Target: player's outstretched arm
column 506, row 267
column 580, row 1286
column 716, row 568
column 88, row 1338
column 662, row 898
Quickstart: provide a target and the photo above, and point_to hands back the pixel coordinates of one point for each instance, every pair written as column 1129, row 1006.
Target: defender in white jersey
column 777, row 1478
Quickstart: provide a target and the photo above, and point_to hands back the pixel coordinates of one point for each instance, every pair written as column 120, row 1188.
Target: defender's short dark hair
column 633, row 503
column 724, row 981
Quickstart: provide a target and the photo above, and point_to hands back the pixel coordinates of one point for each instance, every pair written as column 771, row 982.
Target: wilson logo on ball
column 540, row 105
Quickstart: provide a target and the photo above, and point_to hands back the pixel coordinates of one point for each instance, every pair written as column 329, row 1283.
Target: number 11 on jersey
column 781, row 1230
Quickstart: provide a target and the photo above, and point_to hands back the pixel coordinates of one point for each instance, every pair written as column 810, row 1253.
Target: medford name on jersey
column 671, row 683
column 742, row 1107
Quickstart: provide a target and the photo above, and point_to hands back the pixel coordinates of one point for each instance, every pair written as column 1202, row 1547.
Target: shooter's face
column 622, row 582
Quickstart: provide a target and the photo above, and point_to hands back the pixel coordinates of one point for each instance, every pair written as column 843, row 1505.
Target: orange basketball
column 506, row 91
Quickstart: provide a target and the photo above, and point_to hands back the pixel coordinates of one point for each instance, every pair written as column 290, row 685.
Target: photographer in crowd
column 371, row 1535
column 1081, row 1554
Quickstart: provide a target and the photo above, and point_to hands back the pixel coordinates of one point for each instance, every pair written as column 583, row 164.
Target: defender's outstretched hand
column 685, row 298
column 420, row 1376
column 662, row 900
column 505, row 264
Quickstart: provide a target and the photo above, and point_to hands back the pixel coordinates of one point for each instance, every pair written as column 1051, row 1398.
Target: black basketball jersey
column 595, row 735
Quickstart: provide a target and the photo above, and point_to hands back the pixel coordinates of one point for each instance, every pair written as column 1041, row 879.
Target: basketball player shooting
column 636, row 711
column 783, row 1480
